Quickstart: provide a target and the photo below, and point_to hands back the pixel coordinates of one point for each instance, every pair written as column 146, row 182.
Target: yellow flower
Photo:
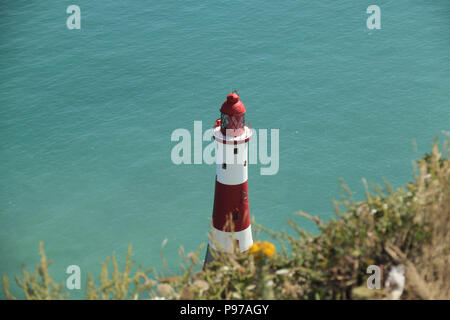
column 260, row 249
column 255, row 248
column 268, row 249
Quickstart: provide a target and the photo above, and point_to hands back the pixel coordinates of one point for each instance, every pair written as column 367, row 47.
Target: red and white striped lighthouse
column 231, row 191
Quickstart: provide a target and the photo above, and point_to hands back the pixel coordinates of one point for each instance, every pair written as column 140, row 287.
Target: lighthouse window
column 235, row 150
column 245, row 163
column 224, row 165
column 232, row 121
column 224, row 121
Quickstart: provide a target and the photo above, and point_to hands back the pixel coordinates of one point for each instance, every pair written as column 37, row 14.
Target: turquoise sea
column 86, row 115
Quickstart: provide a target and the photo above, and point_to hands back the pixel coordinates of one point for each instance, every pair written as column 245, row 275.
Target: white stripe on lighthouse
column 231, row 153
column 234, row 157
column 224, row 240
column 233, row 174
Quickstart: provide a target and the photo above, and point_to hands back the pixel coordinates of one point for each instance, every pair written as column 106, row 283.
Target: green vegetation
column 409, row 227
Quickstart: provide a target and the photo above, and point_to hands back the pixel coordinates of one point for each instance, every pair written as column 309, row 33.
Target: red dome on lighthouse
column 233, row 106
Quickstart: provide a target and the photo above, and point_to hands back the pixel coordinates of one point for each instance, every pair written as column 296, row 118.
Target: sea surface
column 86, row 116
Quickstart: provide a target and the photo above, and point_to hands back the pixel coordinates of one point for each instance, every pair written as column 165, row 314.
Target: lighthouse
column 230, row 225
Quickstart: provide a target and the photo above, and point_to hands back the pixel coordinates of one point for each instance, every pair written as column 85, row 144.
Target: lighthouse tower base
column 227, row 242
column 208, row 257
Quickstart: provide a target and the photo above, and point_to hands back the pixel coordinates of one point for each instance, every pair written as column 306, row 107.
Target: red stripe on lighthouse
column 231, row 201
